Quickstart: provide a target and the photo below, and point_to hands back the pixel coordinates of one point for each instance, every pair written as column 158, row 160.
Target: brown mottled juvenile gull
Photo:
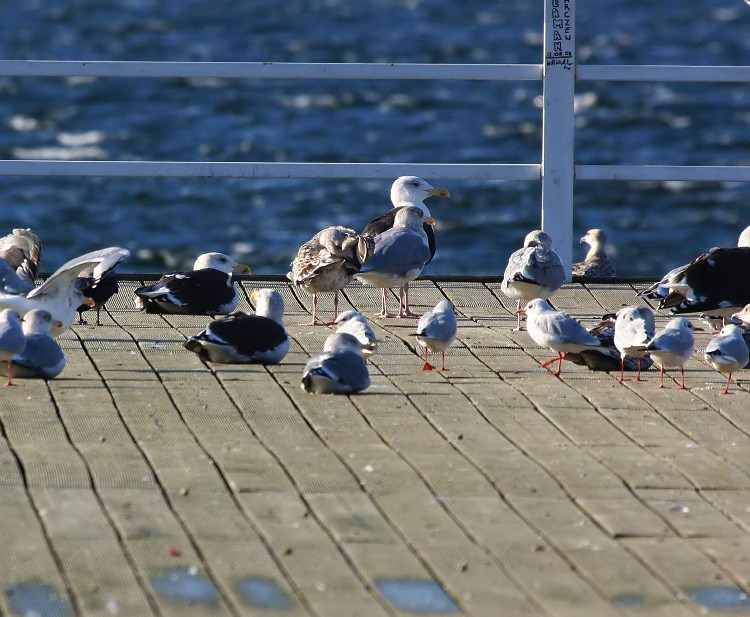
column 534, row 271
column 327, row 262
column 596, row 262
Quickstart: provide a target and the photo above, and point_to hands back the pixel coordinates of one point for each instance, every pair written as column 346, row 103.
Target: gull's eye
column 415, row 182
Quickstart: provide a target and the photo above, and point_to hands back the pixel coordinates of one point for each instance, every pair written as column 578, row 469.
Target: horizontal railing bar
column 268, row 169
column 270, row 70
column 364, row 70
column 652, row 72
column 698, row 173
column 488, row 171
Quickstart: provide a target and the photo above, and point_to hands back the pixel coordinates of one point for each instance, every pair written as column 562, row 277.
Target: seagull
column 635, row 326
column 607, row 357
column 408, row 191
column 22, row 250
column 99, row 283
column 596, row 262
column 534, row 271
column 243, row 338
column 43, row 357
column 400, row 255
column 556, row 331
column 340, row 369
column 59, row 294
column 672, row 347
column 716, row 282
column 727, row 352
column 208, row 289
column 12, row 340
column 436, row 331
column 356, row 324
column 660, row 290
column 328, row 262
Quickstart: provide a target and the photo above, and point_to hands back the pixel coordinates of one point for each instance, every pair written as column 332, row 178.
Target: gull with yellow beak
column 207, row 289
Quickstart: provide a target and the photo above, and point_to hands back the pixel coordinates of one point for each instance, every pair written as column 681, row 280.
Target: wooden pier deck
column 145, row 482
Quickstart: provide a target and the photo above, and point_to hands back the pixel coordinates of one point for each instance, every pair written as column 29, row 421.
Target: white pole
column 557, row 140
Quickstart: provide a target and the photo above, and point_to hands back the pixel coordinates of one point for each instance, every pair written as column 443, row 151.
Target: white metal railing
column 557, row 171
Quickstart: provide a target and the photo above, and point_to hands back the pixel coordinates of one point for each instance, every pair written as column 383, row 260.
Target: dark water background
column 167, row 222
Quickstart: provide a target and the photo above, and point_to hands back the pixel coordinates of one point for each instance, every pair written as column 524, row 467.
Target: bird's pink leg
column 661, row 380
column 638, row 376
column 546, row 363
column 427, row 366
column 335, row 309
column 10, row 374
column 384, row 311
column 559, row 363
column 442, row 368
column 403, row 308
column 682, row 370
column 622, row 369
column 726, row 388
column 314, row 321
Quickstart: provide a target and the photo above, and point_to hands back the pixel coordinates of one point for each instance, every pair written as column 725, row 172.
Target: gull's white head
column 219, row 261
column 268, row 303
column 412, row 191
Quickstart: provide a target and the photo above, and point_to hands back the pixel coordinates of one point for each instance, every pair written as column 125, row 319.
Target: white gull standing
column 556, row 331
column 727, row 352
column 43, row 357
column 327, row 262
column 59, row 294
column 672, row 347
column 436, row 331
column 400, row 255
column 356, row 324
column 597, row 261
column 408, row 191
column 635, row 326
column 340, row 369
column 12, row 340
column 534, row 271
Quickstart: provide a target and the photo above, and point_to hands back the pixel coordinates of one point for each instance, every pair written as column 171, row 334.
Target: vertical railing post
column 557, row 139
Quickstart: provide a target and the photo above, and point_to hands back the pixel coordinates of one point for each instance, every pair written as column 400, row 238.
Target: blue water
column 166, row 222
